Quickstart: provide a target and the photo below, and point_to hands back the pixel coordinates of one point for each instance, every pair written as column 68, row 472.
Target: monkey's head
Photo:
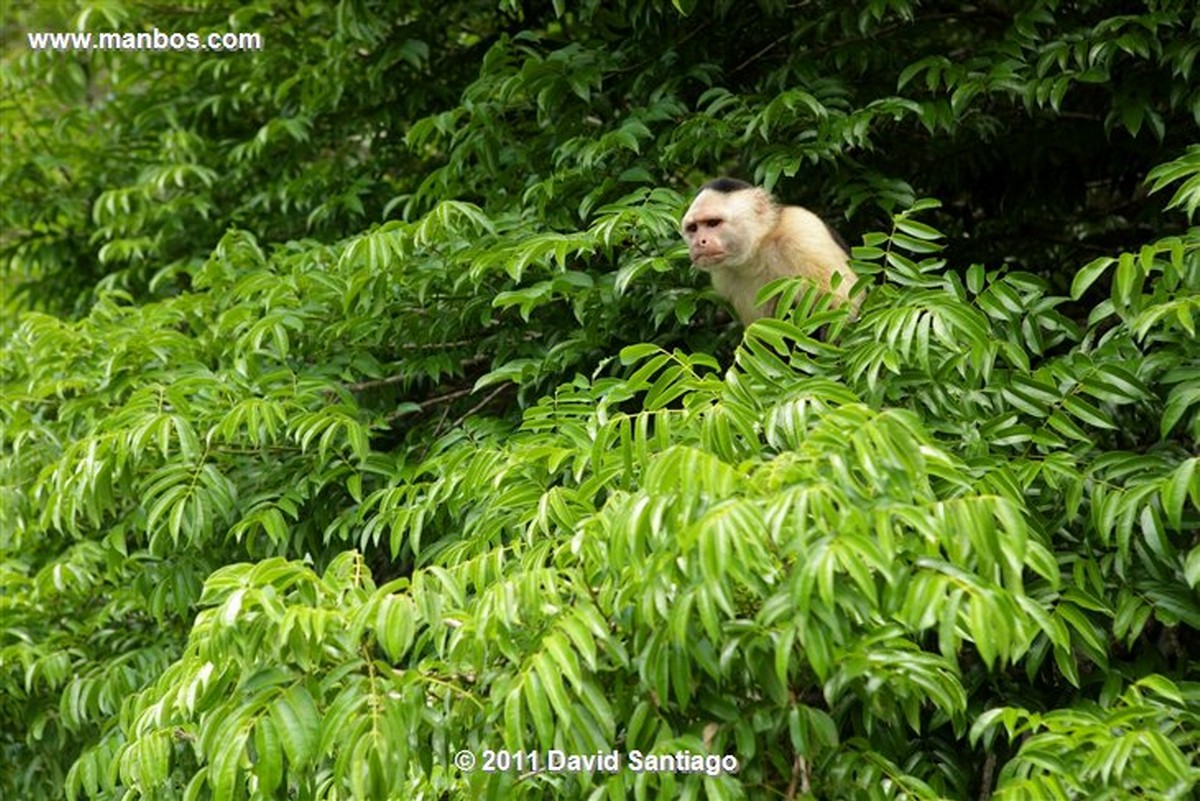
column 726, row 223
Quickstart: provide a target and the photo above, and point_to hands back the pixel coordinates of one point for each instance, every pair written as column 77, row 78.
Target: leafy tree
column 358, row 408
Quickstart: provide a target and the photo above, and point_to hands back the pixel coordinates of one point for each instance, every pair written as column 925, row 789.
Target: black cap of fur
column 727, row 185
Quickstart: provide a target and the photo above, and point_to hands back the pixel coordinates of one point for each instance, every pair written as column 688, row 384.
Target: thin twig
column 989, row 769
column 376, row 382
column 449, row 396
column 491, row 395
column 801, row 780
column 760, row 53
column 437, row 430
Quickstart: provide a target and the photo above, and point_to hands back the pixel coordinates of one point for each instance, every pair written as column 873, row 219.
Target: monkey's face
column 719, row 229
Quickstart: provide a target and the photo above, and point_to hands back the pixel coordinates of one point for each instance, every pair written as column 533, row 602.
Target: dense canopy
column 365, row 433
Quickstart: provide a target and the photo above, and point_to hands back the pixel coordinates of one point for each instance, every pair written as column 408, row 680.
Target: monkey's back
column 803, row 245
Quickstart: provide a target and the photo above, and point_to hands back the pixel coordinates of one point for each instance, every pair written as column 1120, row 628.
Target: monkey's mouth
column 707, row 259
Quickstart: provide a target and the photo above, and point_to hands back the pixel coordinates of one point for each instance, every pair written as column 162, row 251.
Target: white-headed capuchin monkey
column 739, row 234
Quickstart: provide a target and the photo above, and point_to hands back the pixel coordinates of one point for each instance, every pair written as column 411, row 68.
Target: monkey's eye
column 690, row 228
column 712, row 223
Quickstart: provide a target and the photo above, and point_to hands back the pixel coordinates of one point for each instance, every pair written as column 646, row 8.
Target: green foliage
column 1140, row 744
column 357, row 407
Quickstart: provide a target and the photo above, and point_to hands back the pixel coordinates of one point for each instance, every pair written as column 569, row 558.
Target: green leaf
column 1088, row 275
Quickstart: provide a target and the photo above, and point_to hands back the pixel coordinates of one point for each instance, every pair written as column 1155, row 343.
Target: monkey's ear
column 762, row 201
